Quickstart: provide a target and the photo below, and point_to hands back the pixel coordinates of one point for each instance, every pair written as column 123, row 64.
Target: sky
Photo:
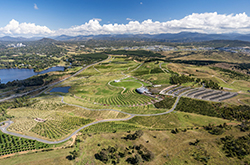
column 36, row 18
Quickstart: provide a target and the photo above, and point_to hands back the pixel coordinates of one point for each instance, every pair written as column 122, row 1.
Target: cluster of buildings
column 236, row 49
column 157, row 48
column 18, row 45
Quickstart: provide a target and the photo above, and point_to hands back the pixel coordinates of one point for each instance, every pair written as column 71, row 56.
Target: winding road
column 164, row 70
column 6, row 124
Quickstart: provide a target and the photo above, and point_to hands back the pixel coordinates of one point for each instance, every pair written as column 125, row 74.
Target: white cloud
column 203, row 23
column 128, row 19
column 35, row 6
column 14, row 28
column 141, row 3
column 98, row 19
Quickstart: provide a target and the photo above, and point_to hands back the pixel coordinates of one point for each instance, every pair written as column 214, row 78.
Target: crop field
column 151, row 72
column 11, row 144
column 148, row 109
column 24, row 118
column 55, row 129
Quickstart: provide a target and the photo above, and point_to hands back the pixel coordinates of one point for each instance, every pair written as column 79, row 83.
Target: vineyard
column 24, row 118
column 110, row 127
column 55, row 129
column 130, row 98
column 11, row 144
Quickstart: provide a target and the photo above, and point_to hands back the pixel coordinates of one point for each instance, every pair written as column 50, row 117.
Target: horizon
column 46, row 19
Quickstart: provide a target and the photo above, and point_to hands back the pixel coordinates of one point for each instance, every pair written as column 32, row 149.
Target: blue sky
column 65, row 14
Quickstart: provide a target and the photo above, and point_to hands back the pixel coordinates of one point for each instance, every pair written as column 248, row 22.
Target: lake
column 60, row 89
column 7, row 75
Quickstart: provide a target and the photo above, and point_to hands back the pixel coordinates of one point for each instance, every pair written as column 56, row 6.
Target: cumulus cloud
column 196, row 22
column 203, row 23
column 35, row 6
column 14, row 28
column 98, row 19
column 128, row 19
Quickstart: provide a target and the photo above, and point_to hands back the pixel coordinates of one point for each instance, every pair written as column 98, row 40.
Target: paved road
column 8, row 123
column 164, row 70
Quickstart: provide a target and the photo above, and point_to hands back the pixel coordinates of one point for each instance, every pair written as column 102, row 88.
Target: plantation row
column 11, row 144
column 18, row 102
column 129, row 98
column 221, row 110
column 53, row 129
column 167, row 103
column 109, row 127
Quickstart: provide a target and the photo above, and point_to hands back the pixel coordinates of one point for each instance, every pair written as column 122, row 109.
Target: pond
column 60, row 89
column 7, row 75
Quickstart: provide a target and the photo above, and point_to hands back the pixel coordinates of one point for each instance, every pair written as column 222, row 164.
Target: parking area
column 199, row 93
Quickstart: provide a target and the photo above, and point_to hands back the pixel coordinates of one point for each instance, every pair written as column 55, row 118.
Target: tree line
column 221, row 110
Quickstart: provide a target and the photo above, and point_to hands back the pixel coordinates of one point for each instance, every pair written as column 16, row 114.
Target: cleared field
column 40, row 158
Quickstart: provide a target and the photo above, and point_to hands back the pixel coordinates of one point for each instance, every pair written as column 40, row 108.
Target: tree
column 75, row 154
column 138, row 158
column 148, row 156
column 139, row 133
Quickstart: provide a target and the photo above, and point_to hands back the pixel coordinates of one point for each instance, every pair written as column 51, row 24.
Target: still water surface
column 7, row 75
column 60, row 89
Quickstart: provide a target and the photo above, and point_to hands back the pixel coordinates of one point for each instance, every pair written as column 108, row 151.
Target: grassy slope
column 40, row 158
column 175, row 146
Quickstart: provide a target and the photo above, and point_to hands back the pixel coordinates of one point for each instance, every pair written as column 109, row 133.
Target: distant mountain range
column 168, row 37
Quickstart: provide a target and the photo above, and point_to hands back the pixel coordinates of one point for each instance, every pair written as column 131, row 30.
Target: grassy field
column 168, row 148
column 40, row 158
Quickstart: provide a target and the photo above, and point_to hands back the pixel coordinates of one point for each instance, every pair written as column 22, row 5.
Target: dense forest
column 167, row 103
column 138, row 53
column 79, row 60
column 226, row 111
